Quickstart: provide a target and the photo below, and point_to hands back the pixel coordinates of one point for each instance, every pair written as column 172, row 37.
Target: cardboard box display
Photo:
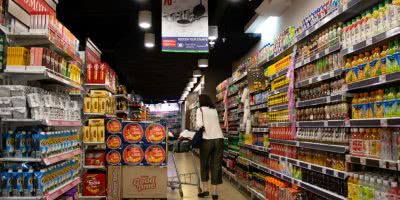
column 86, row 134
column 113, row 126
column 144, row 182
column 96, row 122
column 133, row 154
column 132, row 132
column 155, row 155
column 114, row 141
column 93, row 133
column 114, row 182
column 113, row 157
column 94, row 184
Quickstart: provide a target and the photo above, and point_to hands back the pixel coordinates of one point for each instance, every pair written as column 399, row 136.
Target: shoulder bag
column 198, row 136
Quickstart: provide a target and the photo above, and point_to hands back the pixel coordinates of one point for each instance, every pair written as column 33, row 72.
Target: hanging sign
column 185, row 26
column 32, row 6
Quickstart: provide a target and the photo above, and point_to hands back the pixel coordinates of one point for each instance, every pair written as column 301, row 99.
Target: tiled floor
column 184, row 162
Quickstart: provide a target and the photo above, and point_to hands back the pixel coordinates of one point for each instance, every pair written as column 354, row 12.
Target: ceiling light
column 197, row 73
column 165, row 101
column 149, row 40
column 213, row 32
column 202, row 63
column 145, row 19
column 212, row 42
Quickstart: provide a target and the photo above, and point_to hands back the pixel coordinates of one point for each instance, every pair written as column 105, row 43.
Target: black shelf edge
column 324, row 147
column 319, row 78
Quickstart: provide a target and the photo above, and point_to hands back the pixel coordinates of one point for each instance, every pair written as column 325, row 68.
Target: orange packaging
column 95, row 105
column 100, row 133
column 93, row 133
column 99, row 93
column 87, row 108
column 133, row 154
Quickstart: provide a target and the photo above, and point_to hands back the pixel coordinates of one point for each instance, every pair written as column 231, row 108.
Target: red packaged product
column 94, row 185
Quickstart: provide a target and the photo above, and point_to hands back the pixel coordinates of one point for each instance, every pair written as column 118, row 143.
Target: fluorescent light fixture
column 149, row 39
column 212, row 42
column 145, row 19
column 197, row 73
column 202, row 63
column 165, row 101
column 213, row 33
column 268, row 29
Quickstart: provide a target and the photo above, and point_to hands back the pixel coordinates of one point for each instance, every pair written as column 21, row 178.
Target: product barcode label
column 324, row 170
column 348, row 158
column 325, row 123
column 326, row 51
column 382, row 78
column 328, row 99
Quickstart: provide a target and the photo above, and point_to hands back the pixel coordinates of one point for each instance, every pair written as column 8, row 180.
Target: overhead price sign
column 185, row 26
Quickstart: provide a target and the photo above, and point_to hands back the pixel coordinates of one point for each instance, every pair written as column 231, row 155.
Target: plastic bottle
column 375, row 148
column 393, row 192
column 354, row 68
column 378, row 189
column 371, row 189
column 379, row 104
column 397, row 114
column 396, row 56
column 396, row 13
column 381, row 21
column 383, row 61
column 395, row 144
column 366, row 141
column 349, row 71
column 375, row 21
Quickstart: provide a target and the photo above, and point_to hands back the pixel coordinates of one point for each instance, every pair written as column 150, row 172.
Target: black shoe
column 203, row 194
column 214, row 197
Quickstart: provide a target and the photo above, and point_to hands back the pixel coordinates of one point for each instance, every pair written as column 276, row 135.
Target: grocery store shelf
column 278, row 91
column 378, row 122
column 93, row 143
column 20, row 198
column 258, row 91
column 94, row 167
column 334, row 98
column 260, row 130
column 54, row 194
column 92, row 197
column 372, row 82
column 372, row 162
column 258, row 107
column 371, row 41
column 98, row 115
column 324, row 147
column 62, row 156
column 279, row 107
column 47, row 161
column 255, row 147
column 319, row 78
column 322, row 123
column 280, row 124
column 285, row 142
column 233, row 153
column 96, row 86
column 311, row 166
column 312, row 188
column 121, row 112
column 256, row 193
column 59, row 123
column 40, row 39
column 279, row 74
column 318, row 55
column 239, row 79
column 233, row 94
column 39, row 73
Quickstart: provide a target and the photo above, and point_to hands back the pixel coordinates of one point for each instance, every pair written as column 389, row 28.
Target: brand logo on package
column 32, row 6
column 185, row 26
column 143, row 183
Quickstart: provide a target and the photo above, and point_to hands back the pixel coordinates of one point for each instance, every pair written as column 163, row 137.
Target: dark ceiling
column 113, row 27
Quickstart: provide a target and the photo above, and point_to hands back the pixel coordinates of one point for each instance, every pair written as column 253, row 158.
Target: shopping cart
column 191, row 178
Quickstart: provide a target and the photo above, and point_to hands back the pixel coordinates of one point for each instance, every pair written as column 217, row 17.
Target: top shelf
column 41, row 39
column 99, row 86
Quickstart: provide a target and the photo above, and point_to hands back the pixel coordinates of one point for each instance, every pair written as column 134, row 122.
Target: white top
column 211, row 123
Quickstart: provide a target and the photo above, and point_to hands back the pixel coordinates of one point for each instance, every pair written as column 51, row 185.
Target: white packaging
column 5, row 102
column 19, row 113
column 19, row 90
column 37, row 113
column 34, row 100
column 5, row 90
column 18, row 101
column 5, row 113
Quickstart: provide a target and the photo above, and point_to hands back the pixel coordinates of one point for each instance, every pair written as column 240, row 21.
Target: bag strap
column 202, row 118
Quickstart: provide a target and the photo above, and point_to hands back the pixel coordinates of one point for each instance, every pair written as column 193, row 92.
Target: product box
column 114, row 182
column 155, row 155
column 94, row 185
column 113, row 126
column 133, row 154
column 132, row 132
column 113, row 157
column 95, row 158
column 155, row 133
column 114, row 141
column 144, row 182
column 96, row 122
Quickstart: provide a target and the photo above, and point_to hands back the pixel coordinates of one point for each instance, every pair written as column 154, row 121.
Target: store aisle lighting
column 145, row 19
column 213, row 33
column 194, row 80
column 149, row 40
column 197, row 73
column 202, row 63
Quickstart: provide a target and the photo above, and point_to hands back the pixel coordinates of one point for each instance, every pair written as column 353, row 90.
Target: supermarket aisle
column 184, row 163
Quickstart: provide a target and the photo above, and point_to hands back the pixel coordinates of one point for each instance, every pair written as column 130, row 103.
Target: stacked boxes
column 101, row 73
column 17, row 56
column 95, row 132
column 135, row 144
column 99, row 101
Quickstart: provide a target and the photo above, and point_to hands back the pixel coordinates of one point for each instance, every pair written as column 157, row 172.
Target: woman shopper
column 212, row 146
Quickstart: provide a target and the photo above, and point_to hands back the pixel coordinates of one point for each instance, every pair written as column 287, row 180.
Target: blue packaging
column 6, row 183
column 28, row 183
column 28, row 144
column 9, row 141
column 39, row 182
column 18, row 179
column 19, row 144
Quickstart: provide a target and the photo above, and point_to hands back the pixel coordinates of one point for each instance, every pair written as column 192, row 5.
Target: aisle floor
column 227, row 191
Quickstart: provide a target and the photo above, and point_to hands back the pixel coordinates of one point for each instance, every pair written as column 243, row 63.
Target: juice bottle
column 366, row 141
column 383, row 61
column 353, row 32
column 382, row 16
column 364, row 105
column 397, row 113
column 395, row 144
column 371, row 104
column 390, row 105
column 375, row 144
column 357, row 32
column 348, row 71
column 361, row 191
column 350, row 186
column 396, row 56
column 354, row 68
column 354, row 110
column 379, row 104
column 361, row 67
column 367, row 24
column 375, row 21
column 375, row 65
column 356, row 187
column 371, row 189
column 380, row 25
column 396, row 10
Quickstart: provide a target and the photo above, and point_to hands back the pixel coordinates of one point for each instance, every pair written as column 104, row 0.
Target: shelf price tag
column 326, row 51
column 363, row 161
column 307, row 60
column 326, row 124
column 324, row 170
column 335, row 174
column 382, row 78
column 384, row 122
column 348, row 158
column 369, row 41
column 382, row 164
